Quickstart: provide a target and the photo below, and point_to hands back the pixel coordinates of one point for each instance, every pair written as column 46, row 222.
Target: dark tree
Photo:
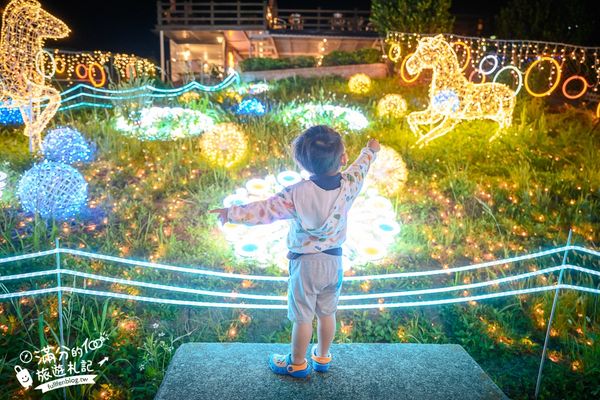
column 422, row 16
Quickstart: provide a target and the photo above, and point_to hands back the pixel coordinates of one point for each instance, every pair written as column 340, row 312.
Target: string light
column 452, row 97
column 25, row 26
column 53, row 190
column 580, row 93
column 359, row 83
column 10, row 114
column 67, row 146
column 224, row 145
column 516, row 71
column 163, row 123
column 556, row 79
column 392, row 106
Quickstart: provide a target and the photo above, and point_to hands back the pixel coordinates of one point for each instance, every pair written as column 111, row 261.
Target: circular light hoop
column 477, row 72
column 395, row 52
column 93, row 81
column 63, row 65
column 492, row 57
column 78, row 71
column 40, row 63
column 598, row 111
column 556, row 82
column 404, row 78
column 130, row 71
column 578, row 95
column 468, row 52
column 519, row 75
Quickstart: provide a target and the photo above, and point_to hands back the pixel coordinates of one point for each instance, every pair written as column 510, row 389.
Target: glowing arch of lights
column 517, row 71
column 101, row 72
column 395, row 52
column 556, row 81
column 403, row 68
column 467, row 51
column 579, row 94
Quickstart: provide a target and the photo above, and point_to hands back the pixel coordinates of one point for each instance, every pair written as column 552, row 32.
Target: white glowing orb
column 372, row 225
column 392, row 106
column 388, row 173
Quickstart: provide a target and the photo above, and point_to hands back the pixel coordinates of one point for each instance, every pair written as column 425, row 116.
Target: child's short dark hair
column 319, row 150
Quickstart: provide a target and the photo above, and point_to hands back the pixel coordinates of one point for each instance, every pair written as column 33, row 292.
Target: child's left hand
column 222, row 214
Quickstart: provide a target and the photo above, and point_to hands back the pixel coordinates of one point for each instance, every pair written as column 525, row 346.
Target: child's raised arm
column 279, row 206
column 357, row 172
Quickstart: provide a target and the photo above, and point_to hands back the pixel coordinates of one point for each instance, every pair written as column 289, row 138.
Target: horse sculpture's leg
column 424, row 117
column 39, row 117
column 446, row 125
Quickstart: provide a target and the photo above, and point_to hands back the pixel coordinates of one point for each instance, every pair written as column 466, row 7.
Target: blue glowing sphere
column 250, row 106
column 446, row 101
column 52, row 189
column 9, row 114
column 67, row 146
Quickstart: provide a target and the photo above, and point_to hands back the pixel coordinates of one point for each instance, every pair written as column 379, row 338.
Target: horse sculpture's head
column 426, row 54
column 31, row 21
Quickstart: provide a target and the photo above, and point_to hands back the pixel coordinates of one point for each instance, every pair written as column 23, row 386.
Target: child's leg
column 301, row 335
column 325, row 333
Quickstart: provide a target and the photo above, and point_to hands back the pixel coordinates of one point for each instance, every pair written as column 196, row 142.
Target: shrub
column 361, row 56
column 265, row 64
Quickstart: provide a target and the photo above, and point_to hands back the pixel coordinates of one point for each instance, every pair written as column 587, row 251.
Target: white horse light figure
column 25, row 26
column 453, row 98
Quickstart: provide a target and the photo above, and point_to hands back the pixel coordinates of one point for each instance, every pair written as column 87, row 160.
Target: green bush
column 265, row 64
column 361, row 56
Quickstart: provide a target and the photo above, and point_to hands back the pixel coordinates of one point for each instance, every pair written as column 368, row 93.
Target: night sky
column 127, row 25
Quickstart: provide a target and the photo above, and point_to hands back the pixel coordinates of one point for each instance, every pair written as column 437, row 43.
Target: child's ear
column 344, row 158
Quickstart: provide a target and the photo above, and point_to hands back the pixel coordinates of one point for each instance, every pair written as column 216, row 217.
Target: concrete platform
column 359, row 371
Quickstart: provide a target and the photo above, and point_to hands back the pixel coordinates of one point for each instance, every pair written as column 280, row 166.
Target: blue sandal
column 282, row 364
column 320, row 364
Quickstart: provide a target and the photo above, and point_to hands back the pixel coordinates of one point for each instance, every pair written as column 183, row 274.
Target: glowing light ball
column 359, row 83
column 392, row 106
column 388, row 174
column 54, row 190
column 372, row 225
column 163, row 123
column 66, row 145
column 338, row 117
column 250, row 106
column 224, row 145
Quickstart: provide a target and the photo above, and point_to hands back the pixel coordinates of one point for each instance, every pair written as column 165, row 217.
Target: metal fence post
column 555, row 300
column 60, row 312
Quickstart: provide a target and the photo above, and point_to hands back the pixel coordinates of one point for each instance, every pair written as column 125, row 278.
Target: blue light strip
column 28, row 256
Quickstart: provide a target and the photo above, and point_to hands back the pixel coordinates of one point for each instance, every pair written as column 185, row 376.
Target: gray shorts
column 314, row 286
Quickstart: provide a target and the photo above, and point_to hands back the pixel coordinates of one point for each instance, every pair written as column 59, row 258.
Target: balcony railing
column 212, row 14
column 322, row 20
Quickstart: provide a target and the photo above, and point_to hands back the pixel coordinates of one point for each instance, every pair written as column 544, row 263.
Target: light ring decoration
column 517, row 71
column 402, row 69
column 395, row 52
column 93, row 81
column 130, row 71
column 483, row 77
column 598, row 111
column 488, row 57
column 39, row 64
column 78, row 73
column 554, row 85
column 578, row 95
column 63, row 65
column 467, row 51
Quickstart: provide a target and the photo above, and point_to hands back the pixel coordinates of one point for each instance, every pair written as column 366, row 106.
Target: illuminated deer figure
column 25, row 26
column 453, row 98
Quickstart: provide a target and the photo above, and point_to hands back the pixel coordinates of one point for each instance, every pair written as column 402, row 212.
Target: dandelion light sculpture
column 391, row 106
column 224, row 145
column 388, row 173
column 453, row 98
column 25, row 26
column 359, row 83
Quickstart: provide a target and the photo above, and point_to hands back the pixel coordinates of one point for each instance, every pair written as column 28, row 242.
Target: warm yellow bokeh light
column 392, row 106
column 359, row 83
column 25, row 26
column 388, row 173
column 224, row 145
column 452, row 97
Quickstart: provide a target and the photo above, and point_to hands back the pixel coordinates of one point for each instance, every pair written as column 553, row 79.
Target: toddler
column 317, row 209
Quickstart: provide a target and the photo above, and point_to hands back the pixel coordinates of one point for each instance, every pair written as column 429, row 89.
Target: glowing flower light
column 66, row 145
column 388, row 173
column 340, row 118
column 359, row 83
column 392, row 106
column 453, row 98
column 53, row 190
column 164, row 123
column 372, row 225
column 189, row 97
column 25, row 26
column 224, row 145
column 251, row 106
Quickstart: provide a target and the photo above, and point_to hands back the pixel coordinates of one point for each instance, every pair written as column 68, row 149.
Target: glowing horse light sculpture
column 25, row 26
column 453, row 98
